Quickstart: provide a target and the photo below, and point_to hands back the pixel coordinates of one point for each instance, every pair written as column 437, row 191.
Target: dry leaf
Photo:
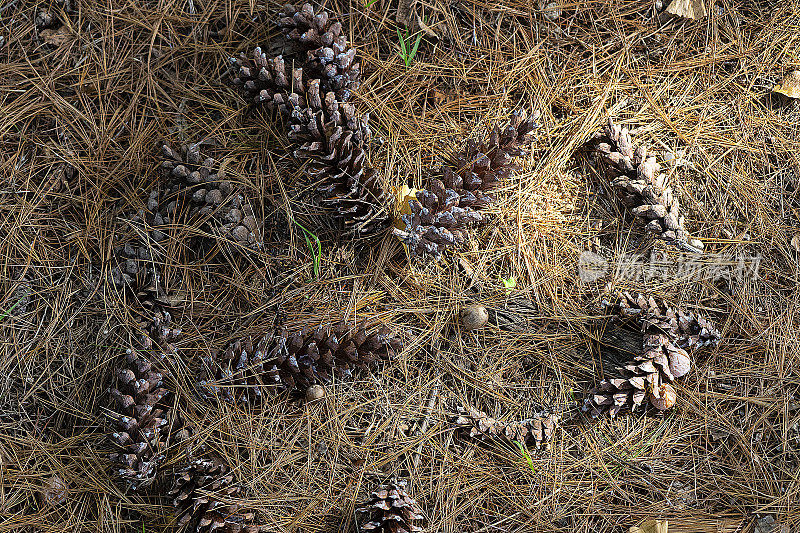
column 58, row 37
column 790, row 86
column 690, row 9
column 796, row 242
column 650, row 526
column 403, row 194
column 427, row 29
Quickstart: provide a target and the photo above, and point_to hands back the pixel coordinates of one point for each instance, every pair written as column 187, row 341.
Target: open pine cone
column 438, row 217
column 248, row 369
column 195, row 186
column 322, row 53
column 391, row 510
column 667, row 335
column 201, row 494
column 635, row 175
column 537, row 430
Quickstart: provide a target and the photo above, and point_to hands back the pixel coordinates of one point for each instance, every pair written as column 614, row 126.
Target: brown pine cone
column 436, row 221
column 143, row 405
column 642, row 187
column 667, row 334
column 201, row 494
column 334, row 157
column 194, row 184
column 250, row 368
column 391, row 510
column 537, row 430
column 323, row 55
column 441, row 214
column 686, row 329
column 481, row 166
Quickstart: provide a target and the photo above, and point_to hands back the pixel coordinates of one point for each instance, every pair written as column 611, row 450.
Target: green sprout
column 509, row 283
column 369, row 3
column 525, row 454
column 8, row 311
column 407, row 52
column 316, row 252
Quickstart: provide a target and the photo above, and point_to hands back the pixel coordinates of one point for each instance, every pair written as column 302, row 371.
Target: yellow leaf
column 790, row 86
column 403, row 195
column 650, row 526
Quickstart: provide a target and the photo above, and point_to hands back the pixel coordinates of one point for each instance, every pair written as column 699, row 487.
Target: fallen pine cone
column 537, row 430
column 251, row 368
column 201, row 493
column 391, row 510
column 667, row 335
column 635, row 175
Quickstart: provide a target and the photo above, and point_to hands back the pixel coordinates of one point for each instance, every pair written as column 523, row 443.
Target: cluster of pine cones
column 310, row 87
column 333, row 139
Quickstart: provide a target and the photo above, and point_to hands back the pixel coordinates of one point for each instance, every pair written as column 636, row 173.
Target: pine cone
column 391, row 510
column 439, row 216
column 640, row 185
column 687, row 330
column 436, row 221
column 200, row 492
column 194, row 184
column 324, row 55
column 667, row 334
column 537, row 430
column 143, row 405
column 249, row 368
column 481, row 166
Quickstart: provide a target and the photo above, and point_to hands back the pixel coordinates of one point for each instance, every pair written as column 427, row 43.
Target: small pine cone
column 436, row 222
column 641, row 186
column 667, row 335
column 537, row 430
column 194, row 184
column 248, row 369
column 201, row 494
column 391, row 510
column 481, row 166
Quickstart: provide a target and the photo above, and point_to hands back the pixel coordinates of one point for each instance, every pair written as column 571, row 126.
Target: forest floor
column 84, row 102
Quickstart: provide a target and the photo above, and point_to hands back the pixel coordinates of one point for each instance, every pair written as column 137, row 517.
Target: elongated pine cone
column 248, row 369
column 391, row 510
column 667, row 335
column 143, row 404
column 323, row 54
column 438, row 217
column 537, row 430
column 642, row 187
column 201, row 493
